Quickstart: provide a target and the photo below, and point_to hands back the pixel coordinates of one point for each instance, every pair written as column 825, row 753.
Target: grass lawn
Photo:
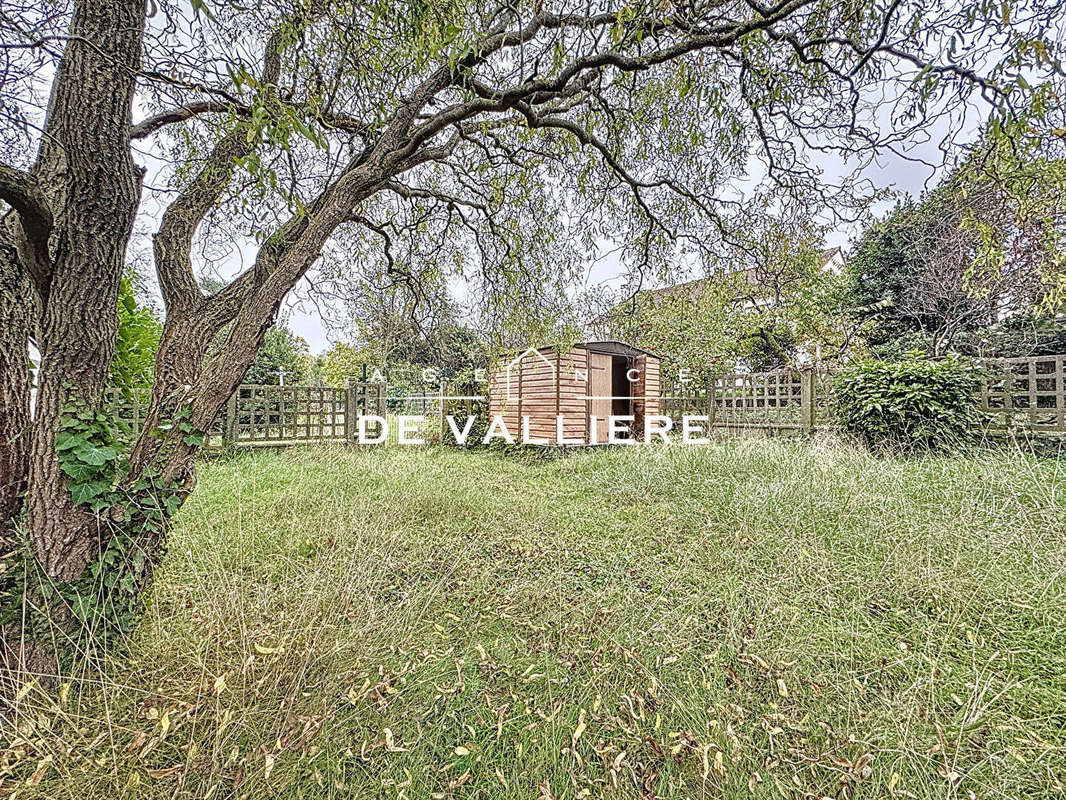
column 750, row 619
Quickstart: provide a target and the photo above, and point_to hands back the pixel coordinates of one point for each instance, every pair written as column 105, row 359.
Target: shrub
column 912, row 404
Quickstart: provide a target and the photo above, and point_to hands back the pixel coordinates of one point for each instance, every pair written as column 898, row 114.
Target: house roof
column 751, row 275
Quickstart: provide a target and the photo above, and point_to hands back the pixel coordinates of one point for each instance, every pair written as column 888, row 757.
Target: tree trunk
column 61, row 261
column 93, row 188
column 16, row 318
column 90, row 191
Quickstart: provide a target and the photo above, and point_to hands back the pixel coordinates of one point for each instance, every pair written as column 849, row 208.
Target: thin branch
column 152, row 124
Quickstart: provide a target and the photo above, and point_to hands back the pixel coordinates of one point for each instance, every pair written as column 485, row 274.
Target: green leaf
column 68, row 441
column 78, row 471
column 95, row 454
column 84, row 492
column 173, row 504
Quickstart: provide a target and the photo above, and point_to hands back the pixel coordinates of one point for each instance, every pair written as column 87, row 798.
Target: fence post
column 351, row 411
column 441, row 388
column 711, row 390
column 807, row 399
column 229, row 433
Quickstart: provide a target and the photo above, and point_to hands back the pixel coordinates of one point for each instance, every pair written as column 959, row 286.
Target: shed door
column 600, row 392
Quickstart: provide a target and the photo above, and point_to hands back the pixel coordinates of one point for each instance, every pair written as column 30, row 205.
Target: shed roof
column 609, row 346
column 615, row 348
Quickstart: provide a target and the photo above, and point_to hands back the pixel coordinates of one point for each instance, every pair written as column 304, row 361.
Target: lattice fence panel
column 1025, row 394
column 128, row 407
column 685, row 398
column 758, row 399
column 288, row 414
column 822, row 399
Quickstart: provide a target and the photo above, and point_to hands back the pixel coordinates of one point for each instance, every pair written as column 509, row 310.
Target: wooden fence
column 1026, row 394
column 1021, row 395
column 262, row 415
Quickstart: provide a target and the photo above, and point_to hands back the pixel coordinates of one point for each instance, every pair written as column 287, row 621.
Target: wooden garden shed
column 590, row 380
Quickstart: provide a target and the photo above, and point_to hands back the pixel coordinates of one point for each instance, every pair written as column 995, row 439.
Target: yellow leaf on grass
column 169, row 772
column 763, row 665
column 781, row 688
column 38, row 774
column 164, row 722
column 220, row 684
column 268, row 766
column 390, row 743
column 268, row 651
column 462, row 751
column 580, row 729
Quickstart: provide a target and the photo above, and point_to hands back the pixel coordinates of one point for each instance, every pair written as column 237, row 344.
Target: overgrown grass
column 750, row 619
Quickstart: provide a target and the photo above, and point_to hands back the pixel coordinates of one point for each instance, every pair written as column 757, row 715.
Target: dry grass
column 752, row 619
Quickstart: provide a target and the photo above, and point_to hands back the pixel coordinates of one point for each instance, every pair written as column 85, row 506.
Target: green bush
column 911, row 404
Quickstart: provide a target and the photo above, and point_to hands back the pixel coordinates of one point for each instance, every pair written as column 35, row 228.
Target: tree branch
column 21, row 191
column 152, row 124
column 173, row 241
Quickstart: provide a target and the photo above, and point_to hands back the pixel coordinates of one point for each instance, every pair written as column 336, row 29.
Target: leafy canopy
column 506, row 146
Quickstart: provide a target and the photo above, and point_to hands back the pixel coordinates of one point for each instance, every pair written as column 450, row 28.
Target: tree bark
column 16, row 319
column 93, row 188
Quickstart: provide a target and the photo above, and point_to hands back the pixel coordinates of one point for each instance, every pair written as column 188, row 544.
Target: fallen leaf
column 169, row 772
column 719, row 766
column 864, row 766
column 268, row 651
column 949, row 774
column 136, row 742
column 390, row 743
column 580, row 729
column 38, row 774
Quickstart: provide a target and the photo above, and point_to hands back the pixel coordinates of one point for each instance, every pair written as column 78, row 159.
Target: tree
column 278, row 358
column 342, row 361
column 501, row 141
column 949, row 272
column 690, row 328
column 881, row 269
column 771, row 307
